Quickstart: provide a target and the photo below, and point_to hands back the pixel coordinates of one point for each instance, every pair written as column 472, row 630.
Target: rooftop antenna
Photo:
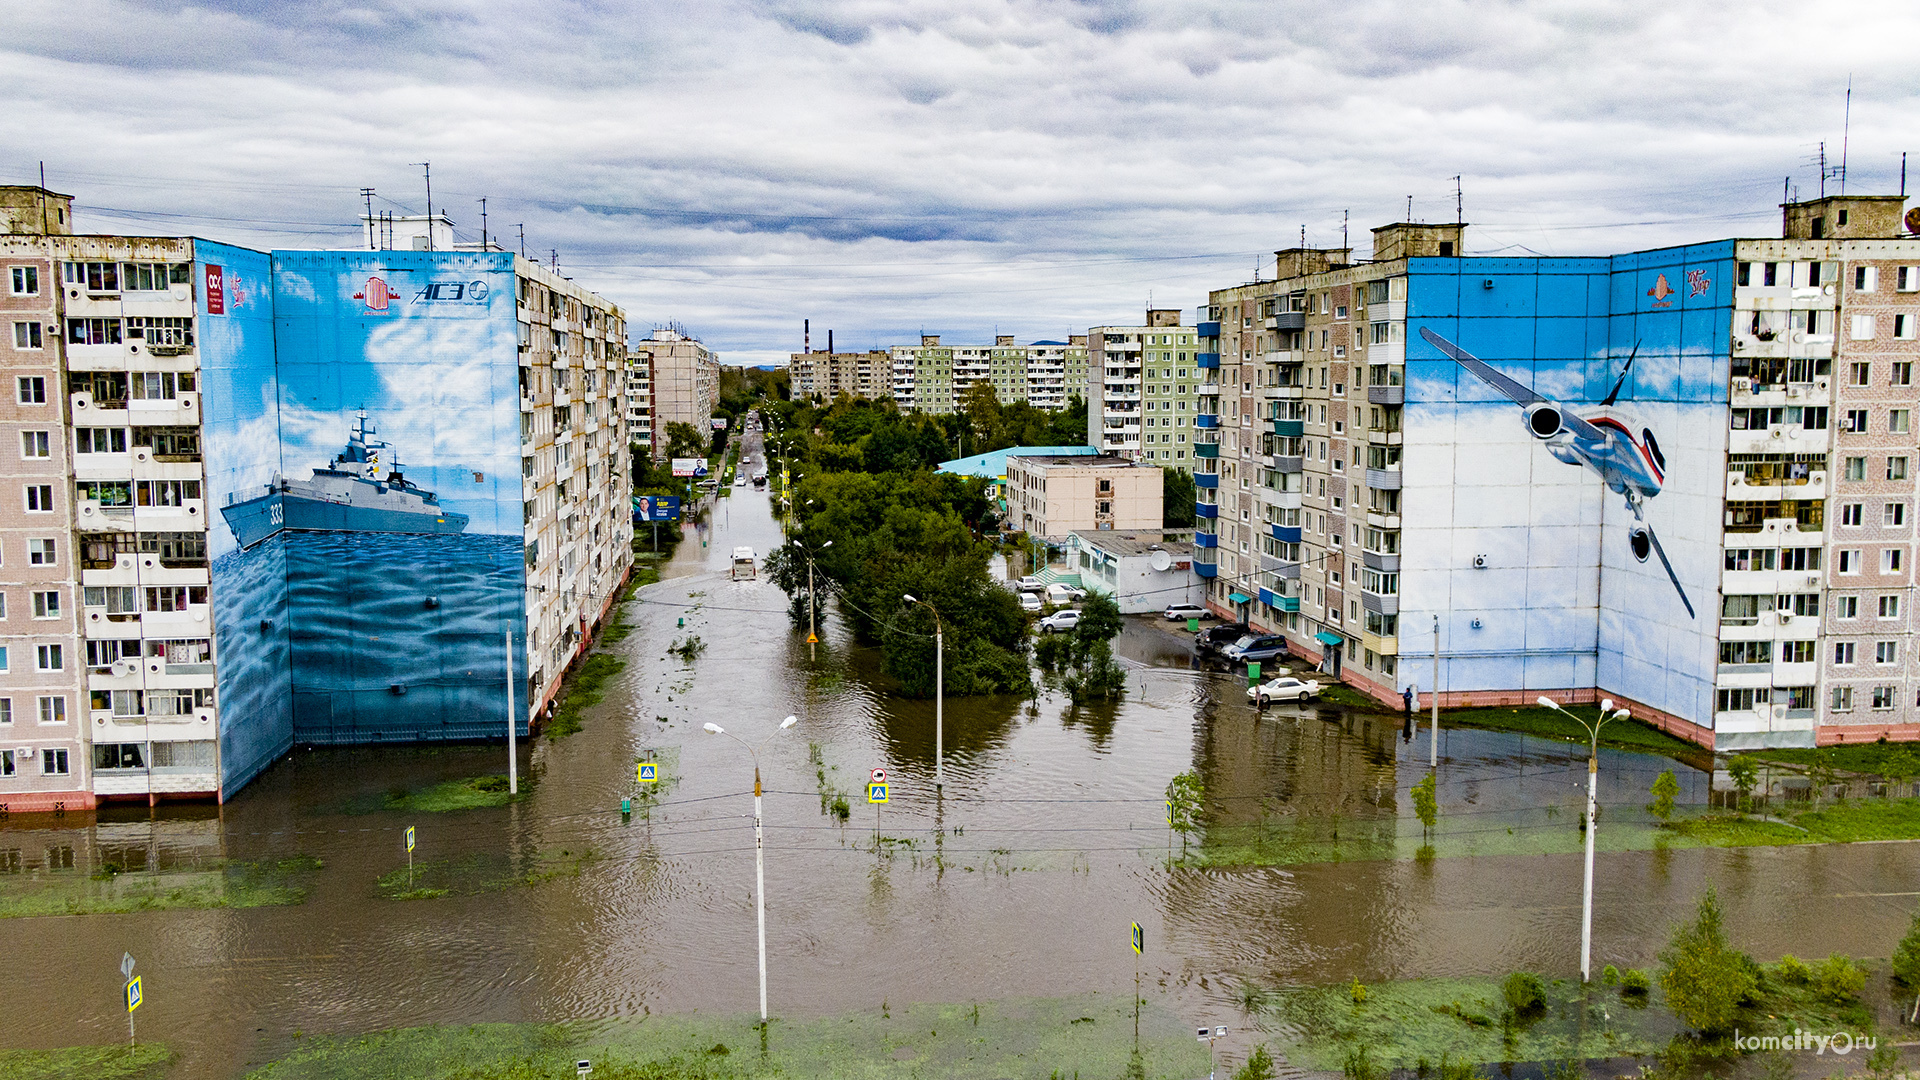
column 1903, row 174
column 1459, row 203
column 1343, row 228
column 1409, row 209
column 523, row 238
column 483, row 224
column 428, row 166
column 556, row 259
column 1846, row 124
column 1786, row 189
column 43, row 192
column 367, row 194
column 806, row 335
column 1823, row 170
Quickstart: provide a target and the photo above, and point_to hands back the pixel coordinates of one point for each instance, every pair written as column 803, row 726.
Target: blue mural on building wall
column 1564, row 541
column 373, row 472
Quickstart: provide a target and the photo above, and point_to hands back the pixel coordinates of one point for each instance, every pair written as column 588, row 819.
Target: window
column 1796, row 652
column 1846, row 607
column 1848, row 561
column 1890, row 560
column 48, row 658
column 26, row 281
column 1897, row 467
column 119, row 756
column 1883, row 697
column 1863, row 328
column 34, row 444
column 1856, row 468
column 1894, row 515
column 1890, row 606
column 1864, row 278
column 1903, row 326
column 53, row 709
column 46, row 605
column 6, row 711
column 93, row 331
column 1799, row 558
column 94, row 276
column 1850, row 513
column 53, row 763
column 1886, row 652
column 1898, row 421
column 1854, row 421
column 1842, row 699
column 39, row 498
column 100, row 440
column 33, row 390
column 1843, row 653
column 1907, row 279
column 1902, row 374
column 1746, row 652
column 1860, row 372
column 1740, row 698
column 26, row 335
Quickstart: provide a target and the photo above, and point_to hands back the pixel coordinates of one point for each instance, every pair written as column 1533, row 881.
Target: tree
column 1665, row 787
column 1744, row 774
column 685, row 440
column 1425, row 804
column 1185, row 792
column 1095, row 675
column 1906, row 956
column 1176, row 493
column 1705, row 978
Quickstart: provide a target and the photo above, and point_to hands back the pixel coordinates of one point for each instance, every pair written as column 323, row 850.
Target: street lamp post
column 939, row 693
column 1607, row 713
column 813, row 630
column 759, row 848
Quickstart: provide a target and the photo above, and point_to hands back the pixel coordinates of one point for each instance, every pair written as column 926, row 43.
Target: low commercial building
column 1143, row 571
column 992, row 466
column 1052, row 495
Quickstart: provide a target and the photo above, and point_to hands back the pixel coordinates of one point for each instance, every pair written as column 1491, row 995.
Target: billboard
column 1553, row 517
column 358, row 465
column 655, row 508
column 719, row 423
column 690, row 466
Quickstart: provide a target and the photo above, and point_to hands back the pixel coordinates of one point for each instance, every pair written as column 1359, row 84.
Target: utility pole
column 367, row 194
column 523, row 238
column 428, row 166
column 1433, row 743
column 483, row 224
column 513, row 745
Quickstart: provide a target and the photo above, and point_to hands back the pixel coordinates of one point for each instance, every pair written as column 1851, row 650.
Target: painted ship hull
column 257, row 519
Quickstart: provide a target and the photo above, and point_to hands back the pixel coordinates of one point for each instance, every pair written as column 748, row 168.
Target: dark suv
column 1215, row 638
column 1255, row 648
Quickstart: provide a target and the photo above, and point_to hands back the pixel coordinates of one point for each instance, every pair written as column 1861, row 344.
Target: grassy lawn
column 470, row 875
column 1041, row 1039
column 472, row 793
column 265, row 883
column 92, row 1062
column 583, row 689
column 1544, row 723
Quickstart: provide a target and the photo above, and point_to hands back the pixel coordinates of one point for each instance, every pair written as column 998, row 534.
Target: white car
column 1284, row 688
column 1060, row 620
column 1180, row 612
column 1030, row 601
column 1058, row 594
column 1030, row 584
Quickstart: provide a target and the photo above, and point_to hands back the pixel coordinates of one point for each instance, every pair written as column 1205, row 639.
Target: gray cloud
column 880, row 166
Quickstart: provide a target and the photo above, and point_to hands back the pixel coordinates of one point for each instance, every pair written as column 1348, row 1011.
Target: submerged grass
column 472, row 793
column 471, row 875
column 236, row 884
column 582, row 691
column 93, row 1062
column 1083, row 1036
column 1540, row 722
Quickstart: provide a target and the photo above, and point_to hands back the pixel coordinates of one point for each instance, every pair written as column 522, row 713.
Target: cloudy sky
column 966, row 167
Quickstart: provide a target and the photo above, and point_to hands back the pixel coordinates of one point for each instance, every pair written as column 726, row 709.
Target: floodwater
column 1018, row 878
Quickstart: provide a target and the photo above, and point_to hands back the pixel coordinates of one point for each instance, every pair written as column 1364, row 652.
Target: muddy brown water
column 1025, row 871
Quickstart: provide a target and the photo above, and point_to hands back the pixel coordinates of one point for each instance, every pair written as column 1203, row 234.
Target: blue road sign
column 876, row 793
column 133, row 994
column 1139, row 940
column 409, row 838
column 649, row 773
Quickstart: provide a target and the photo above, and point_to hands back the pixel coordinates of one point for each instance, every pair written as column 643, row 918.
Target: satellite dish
column 1913, row 220
column 1160, row 560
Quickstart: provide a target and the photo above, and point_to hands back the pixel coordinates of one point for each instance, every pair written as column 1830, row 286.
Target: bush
column 1839, row 979
column 1794, row 970
column 1259, row 1066
column 1906, row 956
column 1609, row 976
column 1665, row 787
column 1359, row 1065
column 1526, row 994
column 1358, row 991
column 1634, row 983
column 1704, row 978
column 1425, row 804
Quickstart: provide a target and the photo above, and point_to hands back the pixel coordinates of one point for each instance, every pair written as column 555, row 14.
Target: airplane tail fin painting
column 1614, row 395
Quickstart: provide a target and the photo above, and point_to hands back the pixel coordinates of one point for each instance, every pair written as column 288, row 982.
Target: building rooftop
column 993, row 464
column 1122, row 544
column 1085, row 457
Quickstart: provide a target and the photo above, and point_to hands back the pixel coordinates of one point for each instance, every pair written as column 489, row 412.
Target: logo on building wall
column 216, row 290
column 1660, row 291
column 458, row 292
column 1698, row 283
column 377, row 294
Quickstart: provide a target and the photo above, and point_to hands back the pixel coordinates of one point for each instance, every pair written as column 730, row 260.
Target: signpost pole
column 1433, row 742
column 760, row 890
column 513, row 744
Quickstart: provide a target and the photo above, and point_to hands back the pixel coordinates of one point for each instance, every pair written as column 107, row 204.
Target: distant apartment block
column 933, row 378
column 1144, row 385
column 640, row 400
column 827, row 375
column 686, row 382
column 1054, row 495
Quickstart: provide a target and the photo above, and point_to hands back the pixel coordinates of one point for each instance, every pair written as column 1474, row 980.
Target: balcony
column 1207, row 359
column 1387, row 395
column 1747, row 487
column 1289, row 429
column 1278, row 567
column 1206, row 510
column 1206, row 450
column 1378, row 604
column 1206, row 479
column 1384, row 479
column 1283, row 357
column 1381, row 560
column 1287, row 320
column 1207, row 390
column 1206, row 422
column 1208, row 329
column 1289, row 534
column 1205, row 569
column 1383, row 520
column 1288, row 463
column 1206, row 540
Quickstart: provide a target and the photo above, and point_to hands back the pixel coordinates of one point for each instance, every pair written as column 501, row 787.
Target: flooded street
column 1018, row 879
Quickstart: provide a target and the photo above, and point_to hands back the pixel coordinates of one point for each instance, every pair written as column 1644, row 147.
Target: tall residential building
column 640, row 401
column 686, row 382
column 933, row 378
column 1143, row 389
column 281, row 505
column 1682, row 478
column 827, row 375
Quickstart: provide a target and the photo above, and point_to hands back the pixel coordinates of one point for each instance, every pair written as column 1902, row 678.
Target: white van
column 743, row 563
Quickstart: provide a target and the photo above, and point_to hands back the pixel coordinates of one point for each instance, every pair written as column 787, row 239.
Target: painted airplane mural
column 1601, row 438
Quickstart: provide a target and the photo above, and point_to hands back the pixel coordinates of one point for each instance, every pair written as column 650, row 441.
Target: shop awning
column 1239, row 598
column 1326, row 637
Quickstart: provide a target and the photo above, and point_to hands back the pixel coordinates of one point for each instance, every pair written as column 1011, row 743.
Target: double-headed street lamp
column 759, row 849
column 813, row 631
column 939, row 692
column 1607, row 713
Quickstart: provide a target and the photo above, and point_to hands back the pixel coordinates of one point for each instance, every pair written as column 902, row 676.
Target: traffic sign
column 649, row 773
column 133, row 994
column 876, row 776
column 409, row 839
column 126, row 964
column 1139, row 939
column 1169, row 811
column 876, row 793
column 813, row 639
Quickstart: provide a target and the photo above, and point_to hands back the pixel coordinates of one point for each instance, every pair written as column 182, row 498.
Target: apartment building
column 1143, row 389
column 933, row 378
column 225, row 456
column 1054, row 495
column 823, row 376
column 686, row 382
column 640, row 402
column 1679, row 477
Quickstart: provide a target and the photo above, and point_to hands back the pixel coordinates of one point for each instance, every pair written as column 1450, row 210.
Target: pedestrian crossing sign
column 409, row 838
column 1139, row 940
column 649, row 773
column 876, row 793
column 133, row 994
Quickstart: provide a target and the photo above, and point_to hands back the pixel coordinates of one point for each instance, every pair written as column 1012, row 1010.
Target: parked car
column 1284, row 688
column 1058, row 593
column 1255, row 649
column 1030, row 601
column 1060, row 620
column 1179, row 612
column 1030, row 584
column 1215, row 638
